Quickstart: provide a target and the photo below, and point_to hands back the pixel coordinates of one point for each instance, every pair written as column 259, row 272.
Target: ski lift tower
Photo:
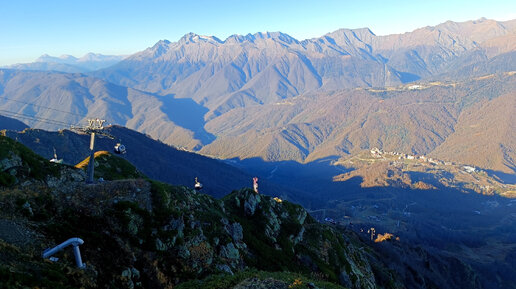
column 95, row 126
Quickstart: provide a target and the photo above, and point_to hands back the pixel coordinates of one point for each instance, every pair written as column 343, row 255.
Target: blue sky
column 30, row 28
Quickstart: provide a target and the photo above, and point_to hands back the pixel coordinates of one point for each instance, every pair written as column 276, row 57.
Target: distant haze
column 69, row 63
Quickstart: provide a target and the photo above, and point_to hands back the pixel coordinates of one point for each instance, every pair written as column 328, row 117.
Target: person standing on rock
column 255, row 184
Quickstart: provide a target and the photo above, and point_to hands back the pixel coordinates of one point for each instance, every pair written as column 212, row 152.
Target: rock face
column 251, row 203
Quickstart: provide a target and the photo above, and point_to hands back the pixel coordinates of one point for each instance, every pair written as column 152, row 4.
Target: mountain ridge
column 69, row 63
column 207, row 68
column 415, row 118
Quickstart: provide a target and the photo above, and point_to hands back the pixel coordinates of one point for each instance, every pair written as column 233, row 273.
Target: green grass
column 111, row 167
column 115, row 168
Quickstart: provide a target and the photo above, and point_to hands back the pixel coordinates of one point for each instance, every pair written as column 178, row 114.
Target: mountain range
column 271, row 96
column 269, row 67
column 69, row 63
column 51, row 100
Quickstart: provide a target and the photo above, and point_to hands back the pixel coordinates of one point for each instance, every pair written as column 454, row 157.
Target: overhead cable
column 45, row 107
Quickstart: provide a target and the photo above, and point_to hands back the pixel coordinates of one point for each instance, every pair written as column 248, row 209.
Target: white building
column 469, row 169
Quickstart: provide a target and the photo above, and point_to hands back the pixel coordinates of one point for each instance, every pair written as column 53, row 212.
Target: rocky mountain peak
column 160, row 48
column 196, row 38
column 236, row 38
column 351, row 36
column 252, row 38
column 278, row 36
column 61, row 59
column 161, row 43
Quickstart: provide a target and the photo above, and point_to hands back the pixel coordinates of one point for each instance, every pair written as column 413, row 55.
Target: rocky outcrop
column 11, row 161
column 286, row 232
column 251, row 202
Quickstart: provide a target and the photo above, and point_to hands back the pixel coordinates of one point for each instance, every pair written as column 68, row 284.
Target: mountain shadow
column 407, row 77
column 313, row 179
column 188, row 114
column 438, row 227
column 505, row 177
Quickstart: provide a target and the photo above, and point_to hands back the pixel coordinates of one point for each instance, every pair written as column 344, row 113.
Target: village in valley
column 399, row 190
column 377, row 153
column 384, row 168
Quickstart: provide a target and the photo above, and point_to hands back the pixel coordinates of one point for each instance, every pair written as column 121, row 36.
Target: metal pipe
column 75, row 242
column 78, row 259
column 91, row 164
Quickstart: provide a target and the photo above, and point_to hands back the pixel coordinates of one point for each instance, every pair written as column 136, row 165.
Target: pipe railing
column 75, row 242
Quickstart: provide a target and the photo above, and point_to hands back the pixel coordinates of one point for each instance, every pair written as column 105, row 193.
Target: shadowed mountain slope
column 162, row 235
column 157, row 233
column 153, row 158
column 11, row 124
